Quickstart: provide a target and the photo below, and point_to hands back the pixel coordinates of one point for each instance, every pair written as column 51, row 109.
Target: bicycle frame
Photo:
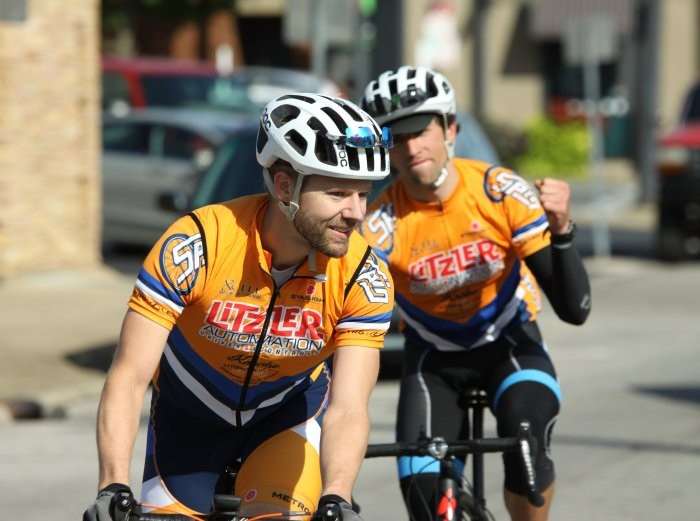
column 448, row 506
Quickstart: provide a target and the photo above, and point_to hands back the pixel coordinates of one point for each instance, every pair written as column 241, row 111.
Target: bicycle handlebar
column 524, row 443
column 226, row 508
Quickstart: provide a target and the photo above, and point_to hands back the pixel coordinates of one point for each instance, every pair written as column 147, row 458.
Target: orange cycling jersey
column 457, row 264
column 238, row 342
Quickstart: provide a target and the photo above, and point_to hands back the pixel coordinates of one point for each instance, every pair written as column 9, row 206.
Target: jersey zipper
column 256, row 355
column 261, row 341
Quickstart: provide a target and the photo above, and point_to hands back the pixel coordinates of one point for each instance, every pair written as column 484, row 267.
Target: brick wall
column 49, row 138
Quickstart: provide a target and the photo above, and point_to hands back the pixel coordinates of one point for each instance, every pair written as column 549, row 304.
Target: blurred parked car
column 152, row 153
column 472, row 141
column 160, row 82
column 678, row 229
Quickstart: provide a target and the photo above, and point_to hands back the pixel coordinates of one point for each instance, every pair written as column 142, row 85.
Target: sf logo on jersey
column 181, row 257
column 498, row 183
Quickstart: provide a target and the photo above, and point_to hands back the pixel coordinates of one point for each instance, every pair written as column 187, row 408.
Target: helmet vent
column 325, row 151
column 382, row 157
column 411, row 73
column 336, row 119
column 431, row 86
column 353, row 114
column 262, row 139
column 297, row 141
column 297, row 97
column 379, row 105
column 369, row 154
column 353, row 158
column 393, row 89
column 283, row 114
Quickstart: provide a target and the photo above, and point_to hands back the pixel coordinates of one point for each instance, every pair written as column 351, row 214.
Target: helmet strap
column 450, row 150
column 291, row 208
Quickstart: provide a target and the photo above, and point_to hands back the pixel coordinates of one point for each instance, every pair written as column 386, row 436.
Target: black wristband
column 565, row 239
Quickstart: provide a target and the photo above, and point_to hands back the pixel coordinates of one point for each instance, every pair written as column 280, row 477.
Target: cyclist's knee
column 539, row 405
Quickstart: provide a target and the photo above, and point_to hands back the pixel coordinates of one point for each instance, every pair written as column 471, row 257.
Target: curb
column 16, row 409
column 56, row 404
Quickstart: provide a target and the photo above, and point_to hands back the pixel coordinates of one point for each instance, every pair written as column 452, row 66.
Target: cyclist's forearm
column 343, row 445
column 117, row 426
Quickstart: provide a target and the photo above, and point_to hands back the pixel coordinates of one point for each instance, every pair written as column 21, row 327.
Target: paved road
column 627, row 443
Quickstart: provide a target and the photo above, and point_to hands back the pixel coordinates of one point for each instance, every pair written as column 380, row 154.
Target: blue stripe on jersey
column 527, row 375
column 224, row 389
column 465, row 333
column 524, row 229
column 382, row 254
column 373, row 319
column 154, row 284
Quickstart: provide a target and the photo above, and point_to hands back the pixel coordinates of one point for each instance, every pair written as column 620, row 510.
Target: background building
column 506, row 58
column 49, row 138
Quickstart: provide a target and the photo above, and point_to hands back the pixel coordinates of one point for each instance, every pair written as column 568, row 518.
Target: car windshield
column 234, row 172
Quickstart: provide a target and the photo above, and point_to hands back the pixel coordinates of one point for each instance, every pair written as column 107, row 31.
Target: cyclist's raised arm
column 558, row 268
column 140, row 348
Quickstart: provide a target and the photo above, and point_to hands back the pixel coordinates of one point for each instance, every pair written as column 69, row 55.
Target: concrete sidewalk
column 59, row 329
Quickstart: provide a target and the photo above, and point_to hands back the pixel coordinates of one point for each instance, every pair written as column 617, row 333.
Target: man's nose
column 355, row 208
column 412, row 144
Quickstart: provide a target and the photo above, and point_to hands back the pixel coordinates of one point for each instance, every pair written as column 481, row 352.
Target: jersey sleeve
column 378, row 229
column 525, row 216
column 368, row 306
column 172, row 276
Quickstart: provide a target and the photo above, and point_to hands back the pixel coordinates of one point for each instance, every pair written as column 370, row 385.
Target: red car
column 141, row 82
column 162, row 82
column 678, row 231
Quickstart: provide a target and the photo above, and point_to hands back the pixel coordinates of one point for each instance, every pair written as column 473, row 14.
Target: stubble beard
column 313, row 233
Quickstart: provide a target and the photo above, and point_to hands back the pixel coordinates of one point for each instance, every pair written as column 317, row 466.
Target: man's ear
column 283, row 184
column 452, row 130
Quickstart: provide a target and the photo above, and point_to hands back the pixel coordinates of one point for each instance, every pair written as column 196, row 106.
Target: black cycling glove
column 335, row 508
column 113, row 503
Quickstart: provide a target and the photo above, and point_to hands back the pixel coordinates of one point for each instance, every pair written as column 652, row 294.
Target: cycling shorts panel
column 284, row 471
column 520, row 382
column 186, row 455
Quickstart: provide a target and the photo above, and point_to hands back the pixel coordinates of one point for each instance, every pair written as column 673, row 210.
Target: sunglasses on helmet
column 363, row 137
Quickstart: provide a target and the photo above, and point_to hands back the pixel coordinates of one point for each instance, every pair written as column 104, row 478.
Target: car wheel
column 670, row 244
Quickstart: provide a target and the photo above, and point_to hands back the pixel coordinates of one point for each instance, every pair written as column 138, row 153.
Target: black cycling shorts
column 520, row 382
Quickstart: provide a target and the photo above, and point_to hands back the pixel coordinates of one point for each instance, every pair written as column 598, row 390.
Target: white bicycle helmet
column 310, row 132
column 408, row 91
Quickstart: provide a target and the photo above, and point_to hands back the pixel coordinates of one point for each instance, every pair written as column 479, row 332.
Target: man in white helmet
column 234, row 317
column 467, row 244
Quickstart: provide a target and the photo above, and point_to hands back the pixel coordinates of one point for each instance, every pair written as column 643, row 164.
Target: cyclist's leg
column 525, row 388
column 428, row 406
column 281, row 465
column 185, row 455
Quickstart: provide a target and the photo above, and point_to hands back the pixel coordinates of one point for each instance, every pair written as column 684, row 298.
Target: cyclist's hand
column 554, row 197
column 113, row 503
column 335, row 508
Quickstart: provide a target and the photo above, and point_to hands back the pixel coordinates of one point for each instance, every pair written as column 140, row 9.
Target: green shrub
column 554, row 150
